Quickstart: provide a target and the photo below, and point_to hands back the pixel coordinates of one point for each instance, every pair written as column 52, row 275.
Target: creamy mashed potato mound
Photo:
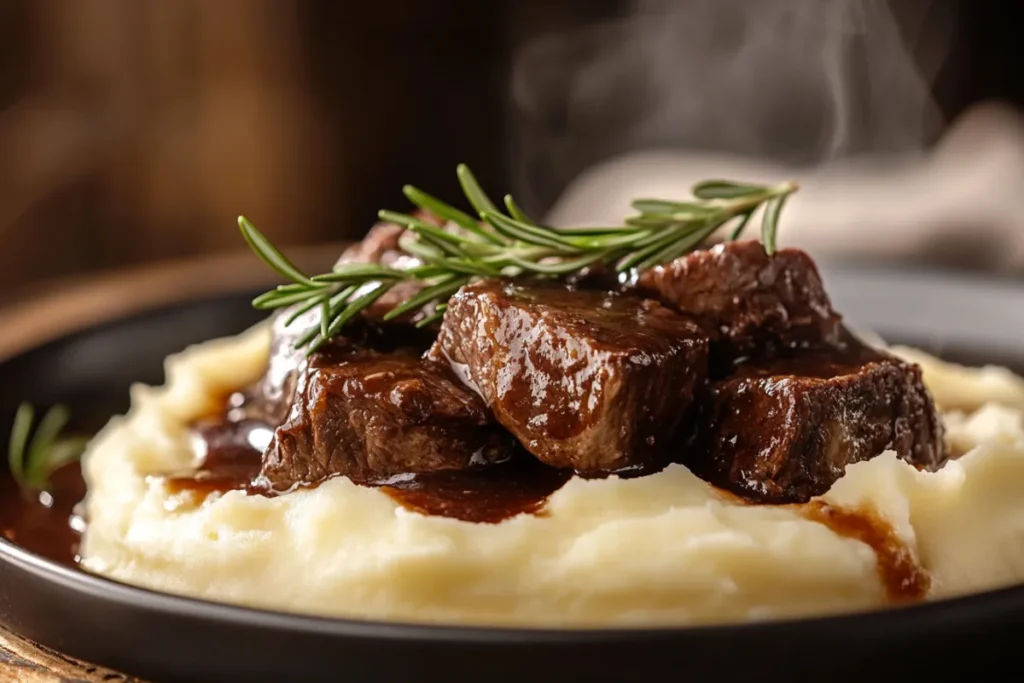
column 657, row 550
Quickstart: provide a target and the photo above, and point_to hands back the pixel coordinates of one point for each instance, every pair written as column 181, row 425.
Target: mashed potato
column 658, row 550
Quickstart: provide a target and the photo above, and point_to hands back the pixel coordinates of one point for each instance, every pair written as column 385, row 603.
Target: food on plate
column 365, row 416
column 815, row 415
column 749, row 302
column 592, row 381
column 483, row 420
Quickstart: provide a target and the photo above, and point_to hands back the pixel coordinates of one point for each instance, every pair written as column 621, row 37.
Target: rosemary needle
column 492, row 243
column 33, row 460
column 509, row 243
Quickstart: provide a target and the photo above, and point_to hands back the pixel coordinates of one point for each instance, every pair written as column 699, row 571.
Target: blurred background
column 133, row 131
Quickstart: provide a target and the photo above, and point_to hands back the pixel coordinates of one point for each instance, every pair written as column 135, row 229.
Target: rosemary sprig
column 508, row 243
column 32, row 461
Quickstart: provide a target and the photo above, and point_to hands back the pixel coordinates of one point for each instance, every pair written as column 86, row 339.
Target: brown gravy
column 43, row 524
column 905, row 580
column 232, row 459
column 490, row 495
column 520, row 486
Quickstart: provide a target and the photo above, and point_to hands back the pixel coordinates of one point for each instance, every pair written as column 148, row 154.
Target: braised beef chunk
column 367, row 406
column 370, row 416
column 785, row 430
column 271, row 397
column 585, row 380
column 737, row 354
column 805, row 399
column 750, row 302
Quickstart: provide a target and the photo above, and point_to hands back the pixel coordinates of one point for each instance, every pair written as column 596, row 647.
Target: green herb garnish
column 496, row 242
column 33, row 460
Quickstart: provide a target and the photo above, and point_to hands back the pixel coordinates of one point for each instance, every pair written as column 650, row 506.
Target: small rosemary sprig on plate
column 504, row 241
column 33, row 460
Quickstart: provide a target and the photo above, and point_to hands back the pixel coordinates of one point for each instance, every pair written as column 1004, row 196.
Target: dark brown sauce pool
column 232, row 458
column 44, row 524
column 488, row 495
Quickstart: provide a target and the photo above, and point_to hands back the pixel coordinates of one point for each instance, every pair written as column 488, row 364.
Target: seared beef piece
column 369, row 416
column 585, row 380
column 270, row 399
column 749, row 302
column 794, row 398
column 785, row 430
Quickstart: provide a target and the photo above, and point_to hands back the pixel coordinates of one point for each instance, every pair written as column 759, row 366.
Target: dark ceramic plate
column 163, row 638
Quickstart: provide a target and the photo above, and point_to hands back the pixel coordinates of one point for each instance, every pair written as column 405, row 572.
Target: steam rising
column 792, row 81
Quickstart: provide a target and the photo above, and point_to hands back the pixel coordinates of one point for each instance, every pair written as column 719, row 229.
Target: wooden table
column 26, row 662
column 60, row 307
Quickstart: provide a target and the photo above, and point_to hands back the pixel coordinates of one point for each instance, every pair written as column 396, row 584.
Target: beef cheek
column 586, row 380
column 270, row 398
column 750, row 303
column 784, row 430
column 366, row 405
column 370, row 416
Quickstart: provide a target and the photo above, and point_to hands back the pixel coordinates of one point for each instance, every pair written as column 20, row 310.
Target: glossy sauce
column 847, row 358
column 520, row 486
column 233, row 452
column 45, row 524
column 905, row 580
column 488, row 495
column 48, row 526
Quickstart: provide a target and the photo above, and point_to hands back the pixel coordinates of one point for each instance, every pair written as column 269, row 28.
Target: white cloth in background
column 960, row 203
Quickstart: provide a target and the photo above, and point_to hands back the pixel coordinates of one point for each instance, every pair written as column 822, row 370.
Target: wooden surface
column 23, row 661
column 59, row 307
